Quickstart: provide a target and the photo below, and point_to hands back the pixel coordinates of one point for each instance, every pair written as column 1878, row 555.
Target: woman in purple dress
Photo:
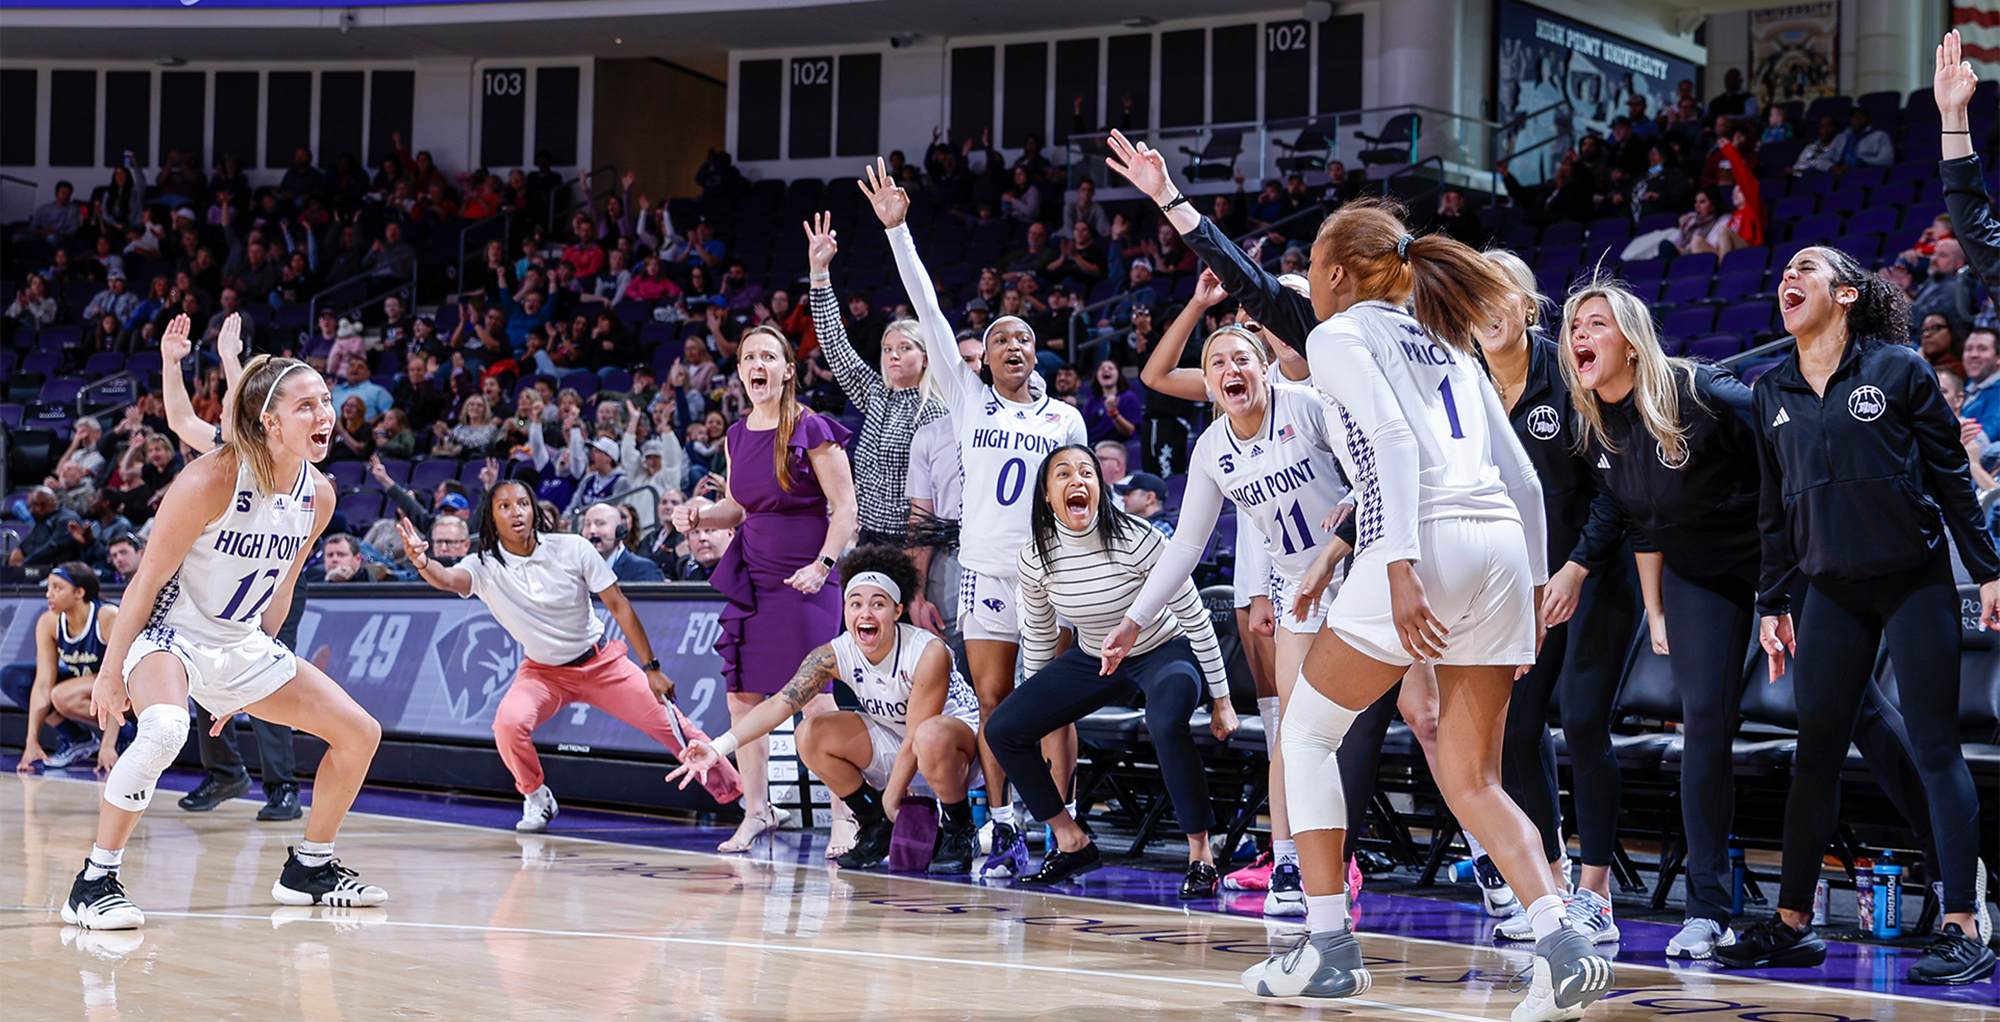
column 790, row 496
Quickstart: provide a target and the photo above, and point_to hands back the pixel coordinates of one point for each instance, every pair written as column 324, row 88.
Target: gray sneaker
column 1568, row 975
column 1319, row 965
column 1591, row 912
column 1698, row 939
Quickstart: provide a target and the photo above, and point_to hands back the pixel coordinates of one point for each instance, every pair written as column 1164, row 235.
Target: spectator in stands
column 1145, row 496
column 301, row 180
column 83, row 441
column 473, row 432
column 1081, row 260
column 1024, row 200
column 606, row 532
column 1940, row 344
column 1718, row 168
column 341, row 561
column 122, row 203
column 73, row 487
column 375, row 399
column 1862, row 145
column 353, row 437
column 1084, row 208
column 585, row 254
column 610, row 286
column 450, row 539
column 32, row 307
column 600, row 476
column 1949, row 290
column 56, row 221
column 1938, row 230
column 1030, row 259
column 740, row 295
column 1451, row 218
column 1981, row 357
column 1706, row 228
column 391, row 258
column 525, row 314
column 114, row 300
column 1565, row 197
column 705, row 549
column 1635, row 111
column 1113, row 410
column 121, row 558
column 348, row 345
column 719, row 178
column 651, row 283
column 257, row 275
column 50, row 540
column 1970, row 435
column 1735, row 100
column 483, row 198
column 1777, row 125
column 703, row 247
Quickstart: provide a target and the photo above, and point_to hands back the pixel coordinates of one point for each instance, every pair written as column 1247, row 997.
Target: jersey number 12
column 243, row 589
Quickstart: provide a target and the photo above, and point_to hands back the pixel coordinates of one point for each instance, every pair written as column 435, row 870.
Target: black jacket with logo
column 1700, row 513
column 1862, row 482
column 1545, row 421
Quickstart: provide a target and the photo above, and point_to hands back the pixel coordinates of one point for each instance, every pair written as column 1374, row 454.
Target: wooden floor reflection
column 484, row 925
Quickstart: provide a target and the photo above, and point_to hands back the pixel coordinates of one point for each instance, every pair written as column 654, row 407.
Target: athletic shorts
column 1476, row 578
column 1246, row 589
column 887, row 743
column 987, row 607
column 1283, row 591
column 223, row 679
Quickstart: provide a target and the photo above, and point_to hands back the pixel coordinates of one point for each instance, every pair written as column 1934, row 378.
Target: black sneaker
column 871, row 846
column 330, row 884
column 1060, row 866
column 1952, row 958
column 211, row 793
column 1772, row 944
column 1200, row 882
column 281, row 803
column 101, row 904
column 955, row 849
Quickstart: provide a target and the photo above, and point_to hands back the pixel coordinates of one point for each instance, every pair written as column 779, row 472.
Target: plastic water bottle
column 1737, row 876
column 978, row 798
column 1864, row 893
column 1888, row 898
column 1820, row 895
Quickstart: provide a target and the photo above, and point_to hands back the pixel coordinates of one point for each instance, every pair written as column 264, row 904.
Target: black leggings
column 1069, row 688
column 1709, row 624
column 1360, row 758
column 1841, row 625
column 1583, row 659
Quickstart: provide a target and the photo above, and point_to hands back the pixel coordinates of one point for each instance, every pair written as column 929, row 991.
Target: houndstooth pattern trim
column 169, row 594
column 1367, row 488
column 968, row 590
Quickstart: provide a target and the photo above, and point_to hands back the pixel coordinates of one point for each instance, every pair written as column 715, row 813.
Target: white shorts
column 887, row 743
column 223, row 679
column 1283, row 591
column 1476, row 578
column 1247, row 589
column 987, row 607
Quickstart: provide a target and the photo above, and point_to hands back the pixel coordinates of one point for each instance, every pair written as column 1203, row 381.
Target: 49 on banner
column 1978, row 24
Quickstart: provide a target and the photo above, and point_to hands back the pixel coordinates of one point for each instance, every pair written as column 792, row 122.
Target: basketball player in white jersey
column 1005, row 429
column 917, row 716
column 1450, row 531
column 198, row 620
column 1272, row 454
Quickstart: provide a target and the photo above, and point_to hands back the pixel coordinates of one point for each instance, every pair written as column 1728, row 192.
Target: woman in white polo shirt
column 537, row 584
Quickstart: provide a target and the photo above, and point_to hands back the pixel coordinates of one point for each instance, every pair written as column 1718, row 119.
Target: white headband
column 990, row 327
column 876, row 579
column 271, row 394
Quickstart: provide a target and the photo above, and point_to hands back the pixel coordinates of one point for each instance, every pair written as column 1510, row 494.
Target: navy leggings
column 1709, row 632
column 1070, row 687
column 1841, row 625
column 1583, row 660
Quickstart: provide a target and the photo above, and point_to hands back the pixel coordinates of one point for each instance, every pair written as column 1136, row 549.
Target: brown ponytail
column 790, row 412
column 1446, row 283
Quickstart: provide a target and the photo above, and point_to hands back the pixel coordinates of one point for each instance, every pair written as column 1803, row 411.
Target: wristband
column 1954, row 132
column 829, row 562
column 724, row 744
column 820, row 279
column 1181, row 200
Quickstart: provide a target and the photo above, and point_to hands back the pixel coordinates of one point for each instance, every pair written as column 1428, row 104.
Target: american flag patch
column 1052, row 416
column 306, row 502
column 1288, row 434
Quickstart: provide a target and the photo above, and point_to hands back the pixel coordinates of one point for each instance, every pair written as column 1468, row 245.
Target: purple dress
column 781, row 533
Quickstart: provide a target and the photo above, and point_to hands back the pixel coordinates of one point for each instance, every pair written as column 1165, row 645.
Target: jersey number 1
column 1450, row 409
column 243, row 589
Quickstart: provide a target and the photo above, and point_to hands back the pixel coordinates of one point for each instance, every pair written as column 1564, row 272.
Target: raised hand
column 375, row 469
column 414, row 543
column 626, row 180
column 174, row 344
column 1208, row 289
column 890, row 201
column 229, row 340
column 822, row 242
column 1142, row 165
column 1954, row 81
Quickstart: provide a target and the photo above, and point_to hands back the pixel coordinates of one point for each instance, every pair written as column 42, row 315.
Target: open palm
column 174, row 344
column 821, row 244
column 891, row 203
column 1140, row 164
column 1955, row 78
column 229, row 340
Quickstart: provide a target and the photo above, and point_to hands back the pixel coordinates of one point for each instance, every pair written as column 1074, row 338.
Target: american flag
column 1978, row 22
column 1287, row 434
column 306, row 502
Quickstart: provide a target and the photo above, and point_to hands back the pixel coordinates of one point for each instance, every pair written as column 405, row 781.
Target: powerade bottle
column 978, row 799
column 1864, row 893
column 1888, row 898
column 1737, row 876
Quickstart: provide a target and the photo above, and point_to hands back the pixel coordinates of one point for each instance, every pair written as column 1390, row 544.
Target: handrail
column 20, row 180
column 99, row 383
column 506, row 236
column 408, row 292
column 1762, row 349
column 1520, row 120
column 312, row 304
column 581, row 178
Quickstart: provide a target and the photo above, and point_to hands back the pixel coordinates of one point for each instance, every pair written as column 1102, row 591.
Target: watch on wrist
column 826, row 561
column 650, row 665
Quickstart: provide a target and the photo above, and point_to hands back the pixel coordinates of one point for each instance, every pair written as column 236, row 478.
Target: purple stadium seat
column 1520, row 238
column 362, row 509
column 1715, row 347
column 426, row 475
column 43, row 363
column 652, row 335
column 1918, row 217
column 1863, row 177
column 447, row 319
column 11, row 415
column 1812, row 185
column 398, row 469
column 1658, row 221
column 1798, row 207
column 1818, row 228
column 1865, row 248
column 663, row 360
column 104, row 363
column 1739, row 284
column 1879, row 220
column 62, row 391
column 1673, row 346
column 1689, row 322
column 347, row 475
column 143, row 364
column 617, row 379
column 9, row 361
column 468, row 473
column 1609, row 229
column 633, row 313
column 1911, row 170
column 1746, row 318
column 1744, row 259
column 1699, row 264
column 1644, row 271
column 1751, row 370
column 1847, row 200
column 43, row 415
column 261, row 314
column 1562, row 234
column 1685, row 290
column 583, row 381
column 58, row 338
column 291, row 317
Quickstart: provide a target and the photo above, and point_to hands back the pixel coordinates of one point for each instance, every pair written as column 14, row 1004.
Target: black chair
column 1309, row 151
column 31, row 453
column 1216, row 161
column 1396, row 144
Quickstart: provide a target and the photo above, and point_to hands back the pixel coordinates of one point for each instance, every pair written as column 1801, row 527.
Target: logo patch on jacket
column 1544, row 423
column 1660, row 450
column 1783, row 417
column 1867, row 403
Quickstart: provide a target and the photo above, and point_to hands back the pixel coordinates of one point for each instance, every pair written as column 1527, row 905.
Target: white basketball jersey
column 1376, row 364
column 1003, row 445
column 1284, row 480
column 884, row 689
column 218, row 596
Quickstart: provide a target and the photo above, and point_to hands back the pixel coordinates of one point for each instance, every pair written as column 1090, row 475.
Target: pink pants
column 612, row 683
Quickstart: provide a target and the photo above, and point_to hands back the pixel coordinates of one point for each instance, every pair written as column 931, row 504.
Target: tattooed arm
column 810, row 680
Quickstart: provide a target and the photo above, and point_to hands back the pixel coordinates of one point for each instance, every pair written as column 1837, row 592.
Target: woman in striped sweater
column 1087, row 562
column 894, row 400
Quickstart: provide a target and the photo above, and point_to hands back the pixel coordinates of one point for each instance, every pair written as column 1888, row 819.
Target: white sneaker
column 1286, row 895
column 1514, row 927
column 1327, row 966
column 537, row 810
column 1493, row 890
column 1698, row 939
column 1981, row 912
column 1591, row 912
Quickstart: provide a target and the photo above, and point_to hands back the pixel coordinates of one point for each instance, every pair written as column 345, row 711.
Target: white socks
column 1002, row 814
column 1285, row 851
column 1545, row 915
column 1473, row 846
column 103, row 861
column 1326, row 913
column 313, row 853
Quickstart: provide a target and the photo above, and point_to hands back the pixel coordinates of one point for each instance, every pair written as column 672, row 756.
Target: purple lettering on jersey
column 1429, row 353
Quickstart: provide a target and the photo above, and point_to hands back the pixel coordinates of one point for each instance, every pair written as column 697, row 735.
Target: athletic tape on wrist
column 726, row 743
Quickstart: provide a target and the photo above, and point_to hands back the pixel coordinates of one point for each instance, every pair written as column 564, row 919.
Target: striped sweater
column 890, row 418
column 1092, row 586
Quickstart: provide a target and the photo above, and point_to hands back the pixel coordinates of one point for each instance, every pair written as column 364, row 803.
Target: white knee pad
column 1313, row 729
column 1269, row 709
column 163, row 729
